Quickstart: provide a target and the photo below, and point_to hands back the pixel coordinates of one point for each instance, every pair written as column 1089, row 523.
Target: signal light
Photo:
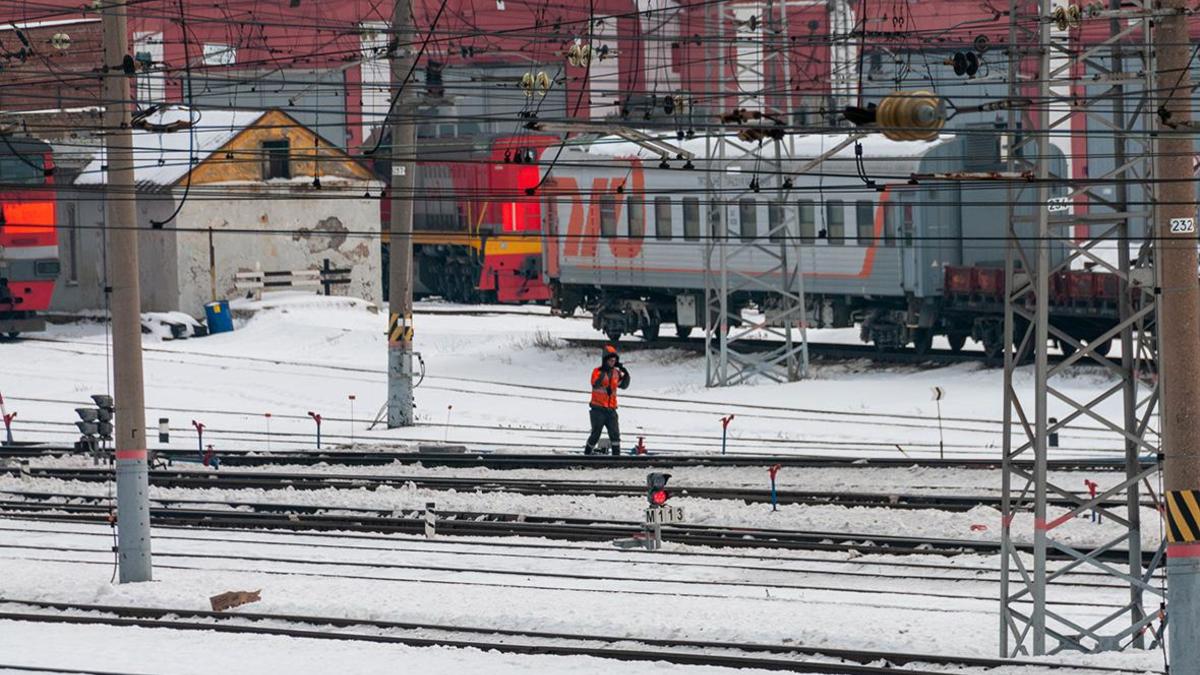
column 656, row 489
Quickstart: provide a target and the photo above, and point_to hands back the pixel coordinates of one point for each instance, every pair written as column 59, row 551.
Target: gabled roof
column 161, row 158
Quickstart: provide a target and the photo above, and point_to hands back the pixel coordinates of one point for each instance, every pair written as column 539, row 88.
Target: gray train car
column 625, row 235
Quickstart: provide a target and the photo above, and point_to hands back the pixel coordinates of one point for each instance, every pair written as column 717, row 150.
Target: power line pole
column 400, row 251
column 133, row 508
column 1179, row 333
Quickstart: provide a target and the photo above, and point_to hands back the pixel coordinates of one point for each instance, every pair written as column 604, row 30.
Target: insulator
column 1059, row 17
column 972, row 64
column 60, row 41
column 527, row 84
column 1074, row 16
column 542, row 81
column 579, row 55
column 910, row 116
column 960, row 63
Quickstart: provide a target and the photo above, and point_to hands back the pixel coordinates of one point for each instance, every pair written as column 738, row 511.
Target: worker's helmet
column 609, row 350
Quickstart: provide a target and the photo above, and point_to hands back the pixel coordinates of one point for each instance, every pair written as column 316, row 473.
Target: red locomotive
column 476, row 235
column 28, row 234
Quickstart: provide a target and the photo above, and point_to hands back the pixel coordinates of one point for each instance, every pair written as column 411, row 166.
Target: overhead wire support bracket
column 654, row 144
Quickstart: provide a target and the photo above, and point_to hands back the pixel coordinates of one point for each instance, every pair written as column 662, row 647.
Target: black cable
column 187, row 186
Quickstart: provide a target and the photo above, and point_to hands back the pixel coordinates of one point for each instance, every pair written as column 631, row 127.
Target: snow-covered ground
column 924, row 605
column 506, row 381
column 503, row 380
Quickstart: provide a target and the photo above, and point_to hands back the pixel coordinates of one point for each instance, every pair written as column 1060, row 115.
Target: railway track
column 776, row 657
column 526, row 460
column 890, row 569
column 257, row 515
column 529, row 486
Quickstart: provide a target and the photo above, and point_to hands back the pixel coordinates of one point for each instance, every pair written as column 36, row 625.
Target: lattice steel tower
column 1048, row 52
column 746, row 156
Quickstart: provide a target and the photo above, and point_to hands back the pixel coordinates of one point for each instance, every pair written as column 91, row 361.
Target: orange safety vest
column 604, row 388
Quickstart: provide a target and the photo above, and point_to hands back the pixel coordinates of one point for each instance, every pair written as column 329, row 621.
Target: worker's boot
column 616, row 451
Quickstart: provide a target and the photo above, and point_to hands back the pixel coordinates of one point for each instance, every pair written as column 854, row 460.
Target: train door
column 909, row 242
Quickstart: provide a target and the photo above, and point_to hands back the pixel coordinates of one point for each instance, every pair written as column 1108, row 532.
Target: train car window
column 908, row 224
column 864, row 216
column 691, row 219
column 662, row 218
column 776, row 233
column 835, row 222
column 608, row 216
column 889, row 224
column 748, row 216
column 807, row 220
column 636, row 207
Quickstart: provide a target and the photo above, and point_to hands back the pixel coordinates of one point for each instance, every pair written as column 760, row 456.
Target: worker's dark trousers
column 603, row 418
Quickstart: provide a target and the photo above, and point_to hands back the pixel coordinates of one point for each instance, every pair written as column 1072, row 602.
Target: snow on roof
column 875, row 146
column 162, row 157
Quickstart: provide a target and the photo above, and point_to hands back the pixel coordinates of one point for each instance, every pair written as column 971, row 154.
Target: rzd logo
column 583, row 227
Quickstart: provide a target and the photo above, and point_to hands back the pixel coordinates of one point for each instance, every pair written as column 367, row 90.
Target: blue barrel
column 219, row 318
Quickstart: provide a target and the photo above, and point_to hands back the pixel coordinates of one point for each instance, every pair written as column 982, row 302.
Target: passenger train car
column 904, row 260
column 28, row 235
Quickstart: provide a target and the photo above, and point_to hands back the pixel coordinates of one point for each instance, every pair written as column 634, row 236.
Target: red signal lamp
column 656, row 489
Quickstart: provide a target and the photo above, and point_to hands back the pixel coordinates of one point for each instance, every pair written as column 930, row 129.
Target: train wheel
column 683, row 332
column 1066, row 348
column 650, row 332
column 922, row 340
column 1103, row 348
column 14, row 334
column 957, row 341
column 993, row 349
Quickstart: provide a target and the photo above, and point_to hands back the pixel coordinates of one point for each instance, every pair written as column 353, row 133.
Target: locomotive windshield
column 22, row 163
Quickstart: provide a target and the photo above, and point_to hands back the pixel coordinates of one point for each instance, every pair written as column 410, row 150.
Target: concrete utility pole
column 1179, row 335
column 400, row 248
column 133, row 508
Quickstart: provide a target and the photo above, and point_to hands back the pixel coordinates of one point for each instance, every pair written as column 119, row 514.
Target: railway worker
column 606, row 380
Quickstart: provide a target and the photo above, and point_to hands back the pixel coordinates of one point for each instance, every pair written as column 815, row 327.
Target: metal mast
column 1044, row 238
column 746, row 156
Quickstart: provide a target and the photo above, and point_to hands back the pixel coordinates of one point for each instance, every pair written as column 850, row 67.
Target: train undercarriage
column 890, row 324
column 451, row 272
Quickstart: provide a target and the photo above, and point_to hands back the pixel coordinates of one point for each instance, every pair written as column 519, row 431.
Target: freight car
column 625, row 239
column 29, row 261
column 475, row 238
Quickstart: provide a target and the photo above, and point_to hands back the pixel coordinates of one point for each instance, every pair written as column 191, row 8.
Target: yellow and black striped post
column 1183, row 517
column 400, row 331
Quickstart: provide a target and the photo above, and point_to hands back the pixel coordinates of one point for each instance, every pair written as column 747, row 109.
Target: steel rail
column 223, row 622
column 541, row 487
column 497, row 460
column 411, row 521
